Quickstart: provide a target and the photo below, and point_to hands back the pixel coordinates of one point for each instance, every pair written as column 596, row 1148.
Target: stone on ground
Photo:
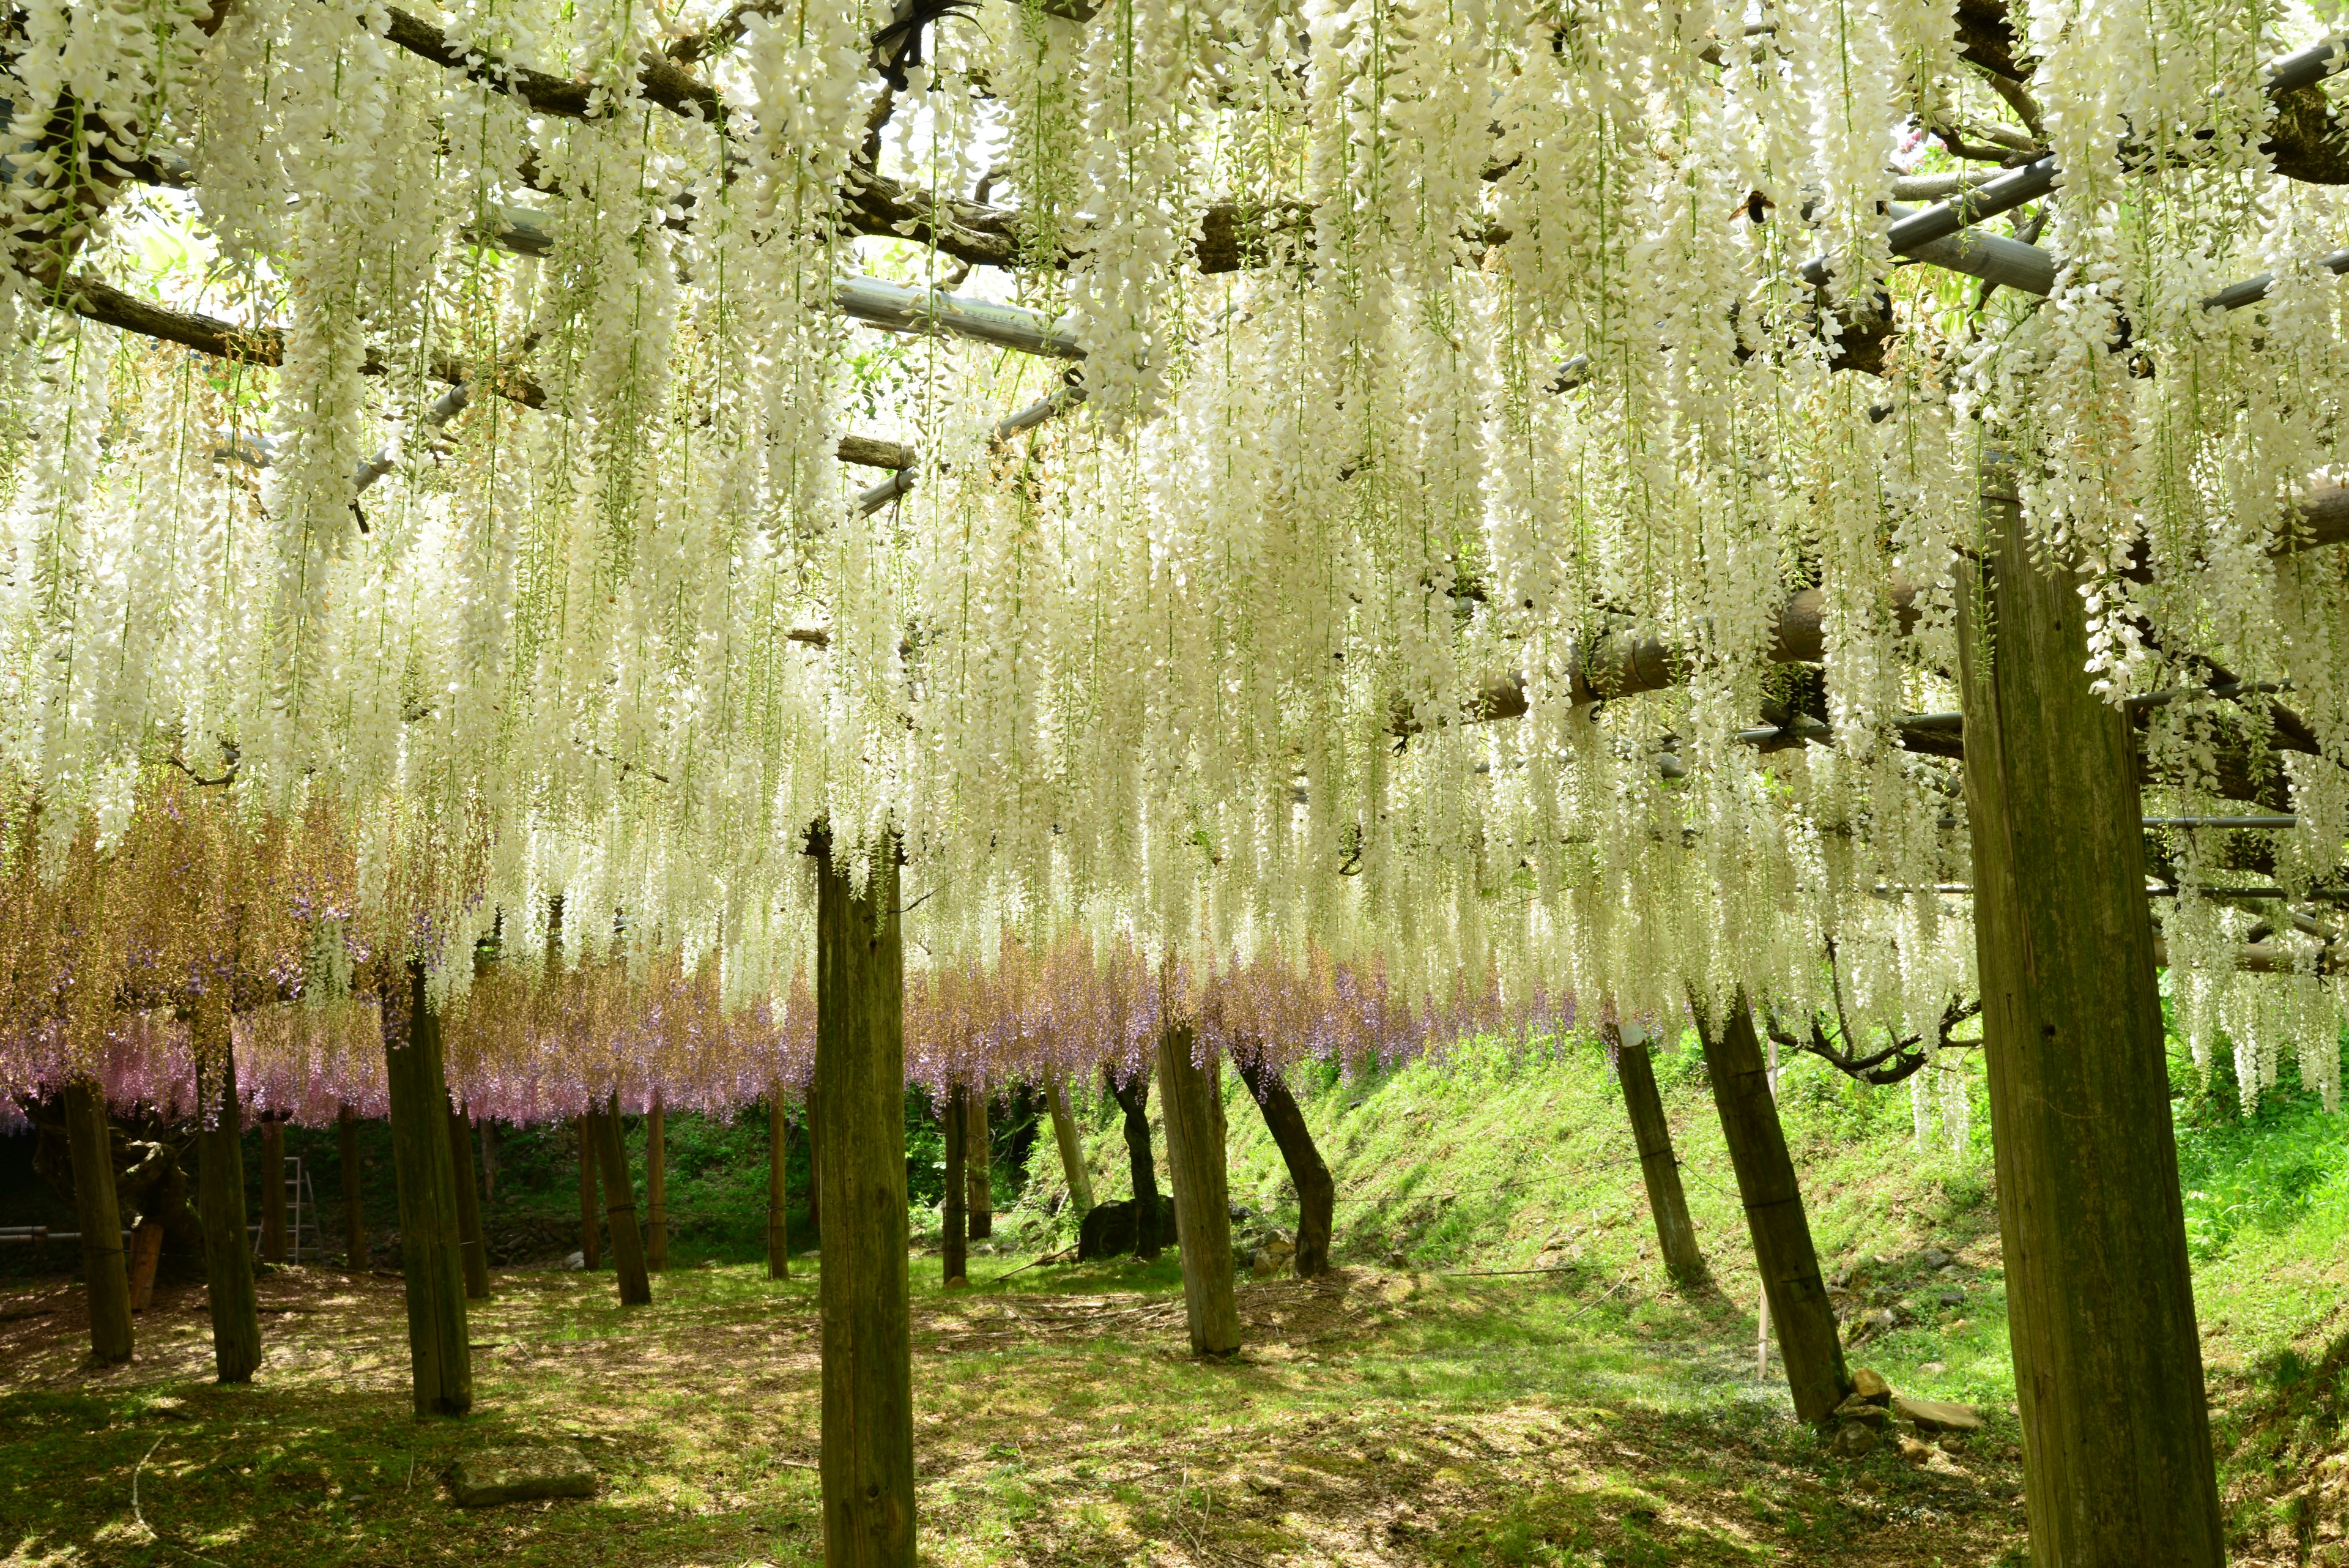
column 520, row 1475
column 1869, row 1384
column 1860, row 1408
column 1854, row 1439
column 1915, row 1452
column 1937, row 1416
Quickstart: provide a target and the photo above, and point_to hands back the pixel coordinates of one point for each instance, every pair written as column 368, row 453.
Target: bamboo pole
column 1659, row 1168
column 779, row 1239
column 346, row 1150
column 220, row 1176
column 440, row 1358
column 1808, row 1342
column 656, row 1187
column 954, row 1218
column 473, row 1247
column 89, row 1144
column 2117, row 1463
column 620, row 1205
column 1191, row 1098
column 978, row 1165
column 1316, row 1195
column 273, row 1189
column 1073, row 1150
column 867, row 1463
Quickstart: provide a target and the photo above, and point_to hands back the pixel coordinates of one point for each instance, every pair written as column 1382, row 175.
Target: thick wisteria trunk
column 620, row 1205
column 978, row 1167
column 1191, row 1096
column 867, row 1471
column 220, row 1197
column 1808, row 1342
column 89, row 1144
column 1660, row 1168
column 779, row 1238
column 439, row 1357
column 590, row 1251
column 1317, row 1194
column 1073, row 1150
column 1133, row 1099
column 953, row 1217
column 272, row 1190
column 656, row 1187
column 346, row 1150
column 474, row 1244
column 2117, row 1466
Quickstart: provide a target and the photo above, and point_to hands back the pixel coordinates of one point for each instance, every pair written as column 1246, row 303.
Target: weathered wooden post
column 440, row 1358
column 1659, row 1168
column 2117, row 1464
column 954, row 1208
column 867, row 1472
column 346, row 1150
column 620, row 1205
column 1316, row 1195
column 273, row 1189
column 1192, row 1100
column 813, row 1120
column 1808, row 1342
column 473, row 1246
column 978, row 1165
column 89, row 1144
column 778, row 1241
column 220, row 1181
column 1072, row 1150
column 656, row 1187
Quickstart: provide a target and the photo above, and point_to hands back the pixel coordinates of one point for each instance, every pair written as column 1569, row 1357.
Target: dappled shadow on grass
column 1374, row 1417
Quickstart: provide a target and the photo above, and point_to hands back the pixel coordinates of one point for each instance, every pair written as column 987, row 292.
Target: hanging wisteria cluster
column 1494, row 545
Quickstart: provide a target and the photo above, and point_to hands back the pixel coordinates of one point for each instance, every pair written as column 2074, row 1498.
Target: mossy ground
column 1420, row 1408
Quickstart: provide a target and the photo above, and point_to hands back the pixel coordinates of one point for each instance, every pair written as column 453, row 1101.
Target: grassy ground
column 1421, row 1408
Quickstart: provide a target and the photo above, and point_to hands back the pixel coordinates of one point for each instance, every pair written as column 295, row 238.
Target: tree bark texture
column 473, row 1247
column 620, row 1205
column 89, row 1142
column 346, row 1150
column 1133, row 1099
column 272, row 1190
column 656, row 1187
column 1659, row 1168
column 867, row 1473
column 2117, row 1466
column 978, row 1167
column 954, row 1218
column 1073, row 1150
column 440, row 1358
column 219, row 1197
column 1808, row 1342
column 813, row 1120
column 779, row 1238
column 591, row 1250
column 1191, row 1098
column 1317, row 1194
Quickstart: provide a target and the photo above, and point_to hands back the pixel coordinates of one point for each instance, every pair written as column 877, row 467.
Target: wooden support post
column 146, row 1258
column 89, row 1144
column 440, row 1358
column 1191, row 1098
column 778, row 1236
column 590, row 1229
column 2117, row 1465
column 620, row 1205
column 1132, row 1097
column 1073, row 1150
column 978, row 1165
column 1808, row 1342
column 953, row 1217
column 656, row 1187
column 220, row 1181
column 867, row 1471
column 489, row 1127
column 273, row 1189
column 473, row 1247
column 346, row 1149
column 1316, row 1195
column 1659, row 1168
column 813, row 1120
